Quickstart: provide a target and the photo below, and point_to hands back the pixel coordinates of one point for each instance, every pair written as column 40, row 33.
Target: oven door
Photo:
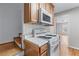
column 54, row 50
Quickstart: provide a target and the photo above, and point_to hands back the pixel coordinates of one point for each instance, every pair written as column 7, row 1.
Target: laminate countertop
column 38, row 41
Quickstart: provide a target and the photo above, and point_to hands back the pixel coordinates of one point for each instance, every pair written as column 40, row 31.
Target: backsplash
column 27, row 29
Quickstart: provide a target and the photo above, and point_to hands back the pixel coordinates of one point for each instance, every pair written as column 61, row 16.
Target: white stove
column 53, row 40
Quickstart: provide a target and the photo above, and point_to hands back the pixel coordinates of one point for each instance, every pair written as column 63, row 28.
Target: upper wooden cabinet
column 42, row 5
column 31, row 11
column 50, row 8
column 26, row 12
column 34, row 12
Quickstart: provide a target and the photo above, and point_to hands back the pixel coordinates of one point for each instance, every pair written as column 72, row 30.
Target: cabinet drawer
column 45, row 53
column 43, row 48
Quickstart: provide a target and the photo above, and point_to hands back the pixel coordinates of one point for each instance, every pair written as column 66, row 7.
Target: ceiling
column 59, row 7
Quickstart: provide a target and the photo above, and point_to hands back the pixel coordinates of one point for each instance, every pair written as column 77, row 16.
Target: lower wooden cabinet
column 31, row 49
column 45, row 53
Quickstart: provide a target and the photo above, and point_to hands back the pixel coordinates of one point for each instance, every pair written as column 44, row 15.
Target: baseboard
column 7, row 42
column 74, row 47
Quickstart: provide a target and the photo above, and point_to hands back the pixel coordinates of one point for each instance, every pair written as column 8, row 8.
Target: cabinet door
column 43, row 48
column 52, row 13
column 37, row 11
column 27, row 13
column 51, row 8
column 30, row 49
column 34, row 12
column 47, row 7
column 42, row 5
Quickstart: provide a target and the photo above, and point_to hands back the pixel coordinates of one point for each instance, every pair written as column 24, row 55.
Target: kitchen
column 39, row 29
column 40, row 38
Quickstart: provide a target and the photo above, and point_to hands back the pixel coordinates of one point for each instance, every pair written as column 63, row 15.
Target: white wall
column 73, row 26
column 10, row 21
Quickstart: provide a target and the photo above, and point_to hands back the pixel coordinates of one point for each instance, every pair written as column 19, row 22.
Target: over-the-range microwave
column 45, row 17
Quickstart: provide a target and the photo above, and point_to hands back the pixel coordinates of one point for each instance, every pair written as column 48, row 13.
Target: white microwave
column 45, row 17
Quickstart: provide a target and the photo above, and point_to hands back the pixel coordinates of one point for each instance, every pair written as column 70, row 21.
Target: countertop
column 37, row 41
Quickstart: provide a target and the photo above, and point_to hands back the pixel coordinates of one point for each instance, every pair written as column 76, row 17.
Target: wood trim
column 73, row 47
column 7, row 43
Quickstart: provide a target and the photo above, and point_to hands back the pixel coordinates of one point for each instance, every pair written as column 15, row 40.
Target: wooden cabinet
column 31, row 11
column 45, row 53
column 27, row 13
column 49, row 7
column 43, row 48
column 31, row 49
column 34, row 12
column 42, row 5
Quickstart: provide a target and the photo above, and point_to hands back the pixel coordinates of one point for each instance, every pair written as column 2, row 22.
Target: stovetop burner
column 45, row 37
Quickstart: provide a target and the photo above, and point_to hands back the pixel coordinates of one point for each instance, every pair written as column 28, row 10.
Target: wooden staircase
column 18, row 40
column 13, row 48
